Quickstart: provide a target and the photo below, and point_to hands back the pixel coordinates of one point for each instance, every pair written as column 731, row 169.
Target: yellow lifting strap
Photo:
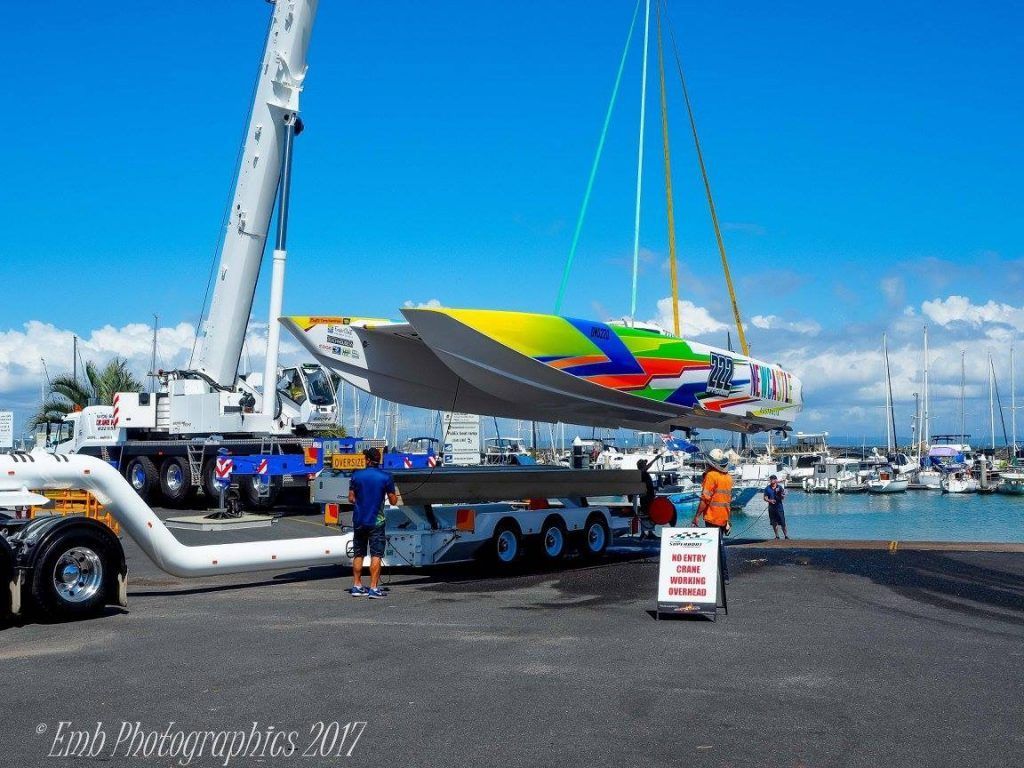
column 672, row 265
column 711, row 202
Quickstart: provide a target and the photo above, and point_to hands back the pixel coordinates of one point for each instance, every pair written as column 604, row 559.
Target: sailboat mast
column 890, row 414
column 963, row 396
column 1013, row 407
column 925, row 431
column 640, row 161
column 992, row 401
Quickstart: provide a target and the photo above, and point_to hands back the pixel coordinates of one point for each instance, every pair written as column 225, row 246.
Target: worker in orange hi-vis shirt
column 715, row 500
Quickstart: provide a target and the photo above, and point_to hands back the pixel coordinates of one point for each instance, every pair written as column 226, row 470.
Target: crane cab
column 307, row 396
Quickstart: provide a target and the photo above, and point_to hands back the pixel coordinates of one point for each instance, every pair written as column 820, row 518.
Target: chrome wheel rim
column 554, row 541
column 138, row 477
column 78, row 575
column 508, row 546
column 595, row 537
column 174, row 478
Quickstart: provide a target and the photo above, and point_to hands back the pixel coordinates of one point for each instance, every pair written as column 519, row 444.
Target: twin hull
column 551, row 369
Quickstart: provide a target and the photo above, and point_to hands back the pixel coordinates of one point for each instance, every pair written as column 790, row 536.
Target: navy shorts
column 372, row 539
column 776, row 514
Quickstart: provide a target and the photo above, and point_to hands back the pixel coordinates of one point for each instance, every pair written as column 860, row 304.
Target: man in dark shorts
column 775, row 494
column 367, row 490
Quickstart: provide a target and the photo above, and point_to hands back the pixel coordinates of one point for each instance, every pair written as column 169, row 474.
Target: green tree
column 97, row 387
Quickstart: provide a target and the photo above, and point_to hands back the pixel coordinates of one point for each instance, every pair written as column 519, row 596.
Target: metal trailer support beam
column 48, row 471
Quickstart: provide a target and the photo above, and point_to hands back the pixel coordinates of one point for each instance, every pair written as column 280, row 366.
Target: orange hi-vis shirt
column 715, row 497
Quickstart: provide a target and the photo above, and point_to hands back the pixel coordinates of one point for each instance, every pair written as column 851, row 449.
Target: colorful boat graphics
column 553, row 368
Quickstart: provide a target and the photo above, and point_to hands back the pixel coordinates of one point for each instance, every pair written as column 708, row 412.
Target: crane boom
column 275, row 105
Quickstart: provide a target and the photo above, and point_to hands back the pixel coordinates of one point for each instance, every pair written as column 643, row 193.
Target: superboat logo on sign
column 697, row 535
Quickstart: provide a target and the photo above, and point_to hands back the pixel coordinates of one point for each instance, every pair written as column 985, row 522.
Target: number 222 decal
column 720, row 378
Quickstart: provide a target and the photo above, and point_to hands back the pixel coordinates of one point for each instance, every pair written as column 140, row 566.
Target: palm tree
column 99, row 386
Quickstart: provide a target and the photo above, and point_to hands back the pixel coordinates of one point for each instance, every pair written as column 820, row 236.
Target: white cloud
column 774, row 322
column 893, row 289
column 23, row 350
column 960, row 309
column 428, row 304
column 693, row 320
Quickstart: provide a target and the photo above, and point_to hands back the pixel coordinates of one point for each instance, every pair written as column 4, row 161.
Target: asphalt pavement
column 877, row 656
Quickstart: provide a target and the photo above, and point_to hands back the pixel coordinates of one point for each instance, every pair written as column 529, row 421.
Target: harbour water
column 910, row 516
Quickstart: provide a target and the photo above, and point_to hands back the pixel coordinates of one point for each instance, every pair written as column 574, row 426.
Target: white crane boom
column 275, row 106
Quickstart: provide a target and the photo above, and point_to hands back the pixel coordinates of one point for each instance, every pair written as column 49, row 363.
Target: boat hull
column 592, row 372
column 888, row 486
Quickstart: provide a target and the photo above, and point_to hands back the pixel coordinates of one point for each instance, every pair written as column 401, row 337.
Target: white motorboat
column 959, row 480
column 886, row 480
column 833, row 476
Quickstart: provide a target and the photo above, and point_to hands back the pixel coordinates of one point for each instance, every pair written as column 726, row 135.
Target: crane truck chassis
column 70, row 567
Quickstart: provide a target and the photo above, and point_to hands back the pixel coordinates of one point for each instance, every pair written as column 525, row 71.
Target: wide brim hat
column 721, row 461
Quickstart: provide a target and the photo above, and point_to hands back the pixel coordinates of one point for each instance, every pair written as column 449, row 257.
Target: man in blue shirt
column 775, row 494
column 367, row 490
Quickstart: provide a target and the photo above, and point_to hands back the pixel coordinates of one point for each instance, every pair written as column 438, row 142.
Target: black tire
column 505, row 545
column 176, row 481
column 142, row 476
column 74, row 576
column 594, row 537
column 210, row 487
column 6, row 574
column 248, row 492
column 553, row 540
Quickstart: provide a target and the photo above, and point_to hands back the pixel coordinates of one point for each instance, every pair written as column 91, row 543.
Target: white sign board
column 6, row 429
column 688, row 570
column 460, row 434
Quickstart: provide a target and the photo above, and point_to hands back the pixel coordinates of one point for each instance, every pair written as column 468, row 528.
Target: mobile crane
column 165, row 442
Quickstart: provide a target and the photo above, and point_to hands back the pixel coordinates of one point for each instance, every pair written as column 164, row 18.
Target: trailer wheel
column 176, row 480
column 72, row 578
column 594, row 538
column 142, row 476
column 248, row 489
column 551, row 542
column 506, row 544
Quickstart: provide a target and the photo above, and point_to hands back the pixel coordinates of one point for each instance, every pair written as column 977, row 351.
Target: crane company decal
column 688, row 570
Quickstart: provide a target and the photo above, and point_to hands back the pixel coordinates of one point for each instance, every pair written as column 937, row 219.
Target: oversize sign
column 6, row 429
column 688, row 570
column 461, row 438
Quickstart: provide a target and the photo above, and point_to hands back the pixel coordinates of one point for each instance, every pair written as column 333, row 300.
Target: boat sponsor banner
column 461, row 438
column 688, row 570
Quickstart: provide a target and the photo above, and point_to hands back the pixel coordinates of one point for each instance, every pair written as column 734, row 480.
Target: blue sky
column 866, row 162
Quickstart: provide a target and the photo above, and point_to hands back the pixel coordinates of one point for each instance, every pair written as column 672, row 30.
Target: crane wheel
column 142, row 476
column 176, row 480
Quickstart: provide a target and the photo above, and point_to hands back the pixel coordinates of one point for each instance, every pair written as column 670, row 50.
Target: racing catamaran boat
column 552, row 368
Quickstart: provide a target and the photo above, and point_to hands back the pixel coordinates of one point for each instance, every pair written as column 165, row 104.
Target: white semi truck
column 164, row 442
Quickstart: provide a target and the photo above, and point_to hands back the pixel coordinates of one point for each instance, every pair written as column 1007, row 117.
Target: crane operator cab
column 306, row 396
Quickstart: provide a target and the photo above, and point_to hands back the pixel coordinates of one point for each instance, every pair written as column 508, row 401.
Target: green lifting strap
column 593, row 168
